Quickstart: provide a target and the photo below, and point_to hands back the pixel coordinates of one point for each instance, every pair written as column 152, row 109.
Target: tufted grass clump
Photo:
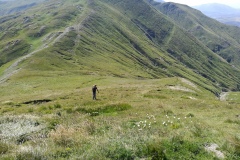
column 29, row 156
column 63, row 136
column 105, row 109
column 3, row 148
column 236, row 145
column 179, row 148
column 233, row 121
column 52, row 124
column 57, row 105
column 64, row 153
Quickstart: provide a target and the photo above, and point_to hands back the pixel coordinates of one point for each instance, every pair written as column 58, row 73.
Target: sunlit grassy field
column 46, row 106
column 54, row 117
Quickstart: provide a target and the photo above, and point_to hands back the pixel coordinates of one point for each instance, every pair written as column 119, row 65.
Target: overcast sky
column 232, row 3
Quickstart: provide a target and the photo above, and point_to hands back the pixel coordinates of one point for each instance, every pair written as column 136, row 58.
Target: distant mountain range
column 10, row 6
column 220, row 12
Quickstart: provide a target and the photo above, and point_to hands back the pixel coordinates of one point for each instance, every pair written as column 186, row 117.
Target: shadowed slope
column 220, row 38
column 181, row 45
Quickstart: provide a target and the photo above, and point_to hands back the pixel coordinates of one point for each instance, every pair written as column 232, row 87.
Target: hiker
column 94, row 90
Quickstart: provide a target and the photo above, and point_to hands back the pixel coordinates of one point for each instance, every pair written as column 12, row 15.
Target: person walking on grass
column 95, row 90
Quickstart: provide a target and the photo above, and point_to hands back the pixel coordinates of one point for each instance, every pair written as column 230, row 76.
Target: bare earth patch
column 181, row 88
column 189, row 83
column 223, row 96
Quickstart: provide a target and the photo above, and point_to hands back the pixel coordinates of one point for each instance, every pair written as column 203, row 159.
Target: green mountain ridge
column 220, row 38
column 110, row 38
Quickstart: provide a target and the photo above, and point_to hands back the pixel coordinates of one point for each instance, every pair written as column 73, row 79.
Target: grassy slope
column 181, row 45
column 221, row 39
column 127, row 67
column 108, row 128
column 89, row 47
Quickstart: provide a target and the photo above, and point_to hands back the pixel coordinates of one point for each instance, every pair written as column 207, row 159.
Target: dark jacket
column 94, row 89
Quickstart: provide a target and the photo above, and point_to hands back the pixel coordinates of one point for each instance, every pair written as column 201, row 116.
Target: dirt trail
column 51, row 38
column 13, row 69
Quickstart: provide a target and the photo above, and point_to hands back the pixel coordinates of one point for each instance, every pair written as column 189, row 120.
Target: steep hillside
column 221, row 39
column 124, row 39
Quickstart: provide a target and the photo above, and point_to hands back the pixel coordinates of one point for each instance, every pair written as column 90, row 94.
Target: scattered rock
column 13, row 43
column 213, row 148
column 26, row 19
column 181, row 88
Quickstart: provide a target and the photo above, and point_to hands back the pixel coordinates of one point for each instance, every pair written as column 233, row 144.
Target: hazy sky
column 232, row 3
